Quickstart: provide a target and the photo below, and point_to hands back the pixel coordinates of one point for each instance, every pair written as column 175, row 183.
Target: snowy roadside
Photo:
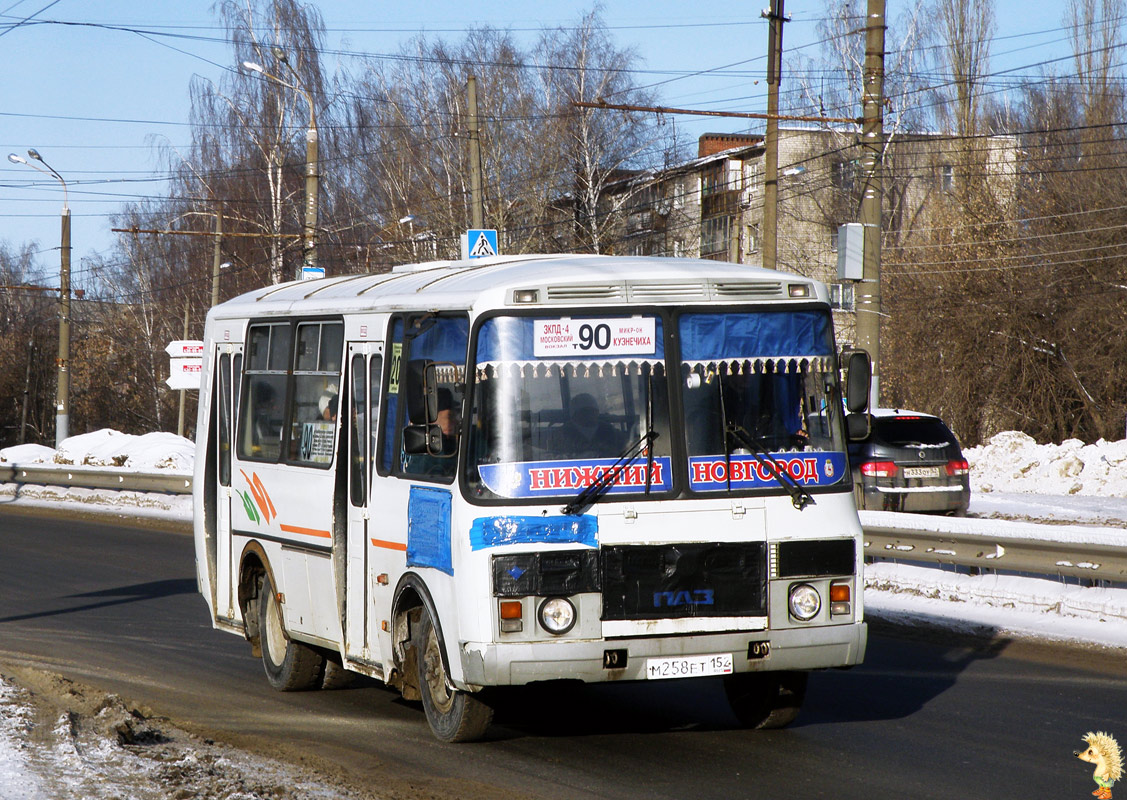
column 60, row 740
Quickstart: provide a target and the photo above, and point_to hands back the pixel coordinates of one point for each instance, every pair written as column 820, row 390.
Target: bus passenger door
column 229, row 358
column 365, row 362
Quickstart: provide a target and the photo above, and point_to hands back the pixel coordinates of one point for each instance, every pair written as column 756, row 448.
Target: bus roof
column 556, row 280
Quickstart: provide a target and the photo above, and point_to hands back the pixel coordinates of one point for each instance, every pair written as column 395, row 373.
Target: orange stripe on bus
column 306, row 531
column 390, row 545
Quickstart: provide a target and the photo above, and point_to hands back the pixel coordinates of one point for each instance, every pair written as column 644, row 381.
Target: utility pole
column 62, row 363
column 217, row 257
column 872, row 147
column 180, row 414
column 769, row 233
column 62, row 399
column 477, row 203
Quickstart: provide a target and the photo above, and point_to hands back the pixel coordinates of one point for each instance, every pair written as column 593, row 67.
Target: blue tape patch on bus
column 553, row 478
column 428, row 529
column 495, row 531
column 710, row 473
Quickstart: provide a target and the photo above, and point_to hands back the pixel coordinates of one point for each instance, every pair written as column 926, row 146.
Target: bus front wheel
column 453, row 715
column 765, row 700
column 290, row 666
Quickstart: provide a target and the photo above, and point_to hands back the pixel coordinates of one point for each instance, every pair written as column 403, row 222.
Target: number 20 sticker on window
column 562, row 338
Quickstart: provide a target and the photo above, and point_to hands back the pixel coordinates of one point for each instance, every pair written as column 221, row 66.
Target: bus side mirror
column 858, row 381
column 422, row 393
column 857, row 426
column 422, row 440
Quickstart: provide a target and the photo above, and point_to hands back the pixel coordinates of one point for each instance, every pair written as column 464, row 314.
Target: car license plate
column 688, row 666
column 921, row 472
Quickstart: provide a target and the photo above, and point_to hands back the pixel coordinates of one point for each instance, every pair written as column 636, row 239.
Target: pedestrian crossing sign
column 479, row 243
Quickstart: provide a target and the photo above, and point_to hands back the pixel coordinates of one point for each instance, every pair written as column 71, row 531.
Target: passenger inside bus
column 327, row 404
column 585, row 434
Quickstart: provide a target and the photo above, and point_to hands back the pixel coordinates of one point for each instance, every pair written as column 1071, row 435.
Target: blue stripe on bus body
column 495, row 531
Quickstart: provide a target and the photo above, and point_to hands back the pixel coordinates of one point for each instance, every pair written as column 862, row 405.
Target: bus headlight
column 805, row 602
column 557, row 615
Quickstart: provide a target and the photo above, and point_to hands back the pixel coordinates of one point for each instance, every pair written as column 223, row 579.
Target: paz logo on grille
column 683, row 597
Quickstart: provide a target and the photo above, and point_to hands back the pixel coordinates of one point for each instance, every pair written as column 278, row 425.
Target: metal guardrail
column 1096, row 561
column 97, row 478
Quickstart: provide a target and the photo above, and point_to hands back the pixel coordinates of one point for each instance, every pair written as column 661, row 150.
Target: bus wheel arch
column 409, row 604
column 289, row 665
column 254, row 566
column 423, row 668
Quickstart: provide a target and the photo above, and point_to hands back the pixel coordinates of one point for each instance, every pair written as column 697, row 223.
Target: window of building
column 946, row 177
column 714, row 237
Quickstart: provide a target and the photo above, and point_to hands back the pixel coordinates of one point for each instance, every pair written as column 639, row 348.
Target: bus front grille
column 676, row 581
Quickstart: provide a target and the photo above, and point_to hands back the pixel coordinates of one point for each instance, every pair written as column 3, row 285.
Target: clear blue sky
column 94, row 100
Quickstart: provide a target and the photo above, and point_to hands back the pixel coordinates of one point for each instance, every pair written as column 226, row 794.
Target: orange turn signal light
column 839, row 593
column 511, row 609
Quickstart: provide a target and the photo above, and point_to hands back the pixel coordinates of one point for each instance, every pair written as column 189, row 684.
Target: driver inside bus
column 586, row 434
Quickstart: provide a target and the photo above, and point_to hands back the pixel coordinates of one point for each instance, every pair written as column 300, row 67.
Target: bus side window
column 223, row 390
column 375, row 372
column 262, row 412
column 316, row 392
column 362, row 422
column 442, row 341
column 394, row 366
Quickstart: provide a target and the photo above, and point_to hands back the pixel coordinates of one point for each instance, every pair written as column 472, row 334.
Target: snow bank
column 109, row 448
column 27, row 454
column 1014, row 462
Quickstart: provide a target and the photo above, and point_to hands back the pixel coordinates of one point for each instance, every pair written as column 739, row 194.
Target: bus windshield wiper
column 601, row 485
column 798, row 495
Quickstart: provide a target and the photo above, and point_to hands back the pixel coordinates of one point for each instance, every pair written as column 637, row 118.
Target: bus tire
column 336, row 676
column 765, row 700
column 453, row 715
column 290, row 666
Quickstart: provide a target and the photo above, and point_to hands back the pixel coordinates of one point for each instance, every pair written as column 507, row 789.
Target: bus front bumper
column 511, row 664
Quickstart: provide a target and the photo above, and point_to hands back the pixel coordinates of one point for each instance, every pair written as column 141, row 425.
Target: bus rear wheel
column 453, row 715
column 766, row 700
column 290, row 666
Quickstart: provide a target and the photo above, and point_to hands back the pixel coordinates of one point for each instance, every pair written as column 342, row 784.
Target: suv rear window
column 907, row 430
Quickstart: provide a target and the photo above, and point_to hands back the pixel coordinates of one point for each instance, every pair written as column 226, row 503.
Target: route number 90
column 596, row 336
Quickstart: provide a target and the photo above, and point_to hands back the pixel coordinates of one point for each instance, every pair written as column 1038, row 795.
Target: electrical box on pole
column 851, row 251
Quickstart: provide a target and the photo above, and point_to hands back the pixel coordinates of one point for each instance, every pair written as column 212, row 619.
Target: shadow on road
column 894, row 682
column 121, row 595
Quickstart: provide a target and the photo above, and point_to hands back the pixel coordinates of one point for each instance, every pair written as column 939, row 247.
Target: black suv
column 910, row 462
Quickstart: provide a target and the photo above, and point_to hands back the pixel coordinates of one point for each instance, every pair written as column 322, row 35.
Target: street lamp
column 309, row 241
column 62, row 392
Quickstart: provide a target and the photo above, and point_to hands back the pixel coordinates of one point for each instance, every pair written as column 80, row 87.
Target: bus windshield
column 559, row 401
column 757, row 386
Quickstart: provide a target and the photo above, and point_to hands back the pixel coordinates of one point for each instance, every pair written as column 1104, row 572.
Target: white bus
column 465, row 475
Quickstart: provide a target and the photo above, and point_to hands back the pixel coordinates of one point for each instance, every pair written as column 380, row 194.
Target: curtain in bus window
column 708, row 337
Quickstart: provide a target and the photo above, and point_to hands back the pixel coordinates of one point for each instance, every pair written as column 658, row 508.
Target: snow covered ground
column 1069, row 492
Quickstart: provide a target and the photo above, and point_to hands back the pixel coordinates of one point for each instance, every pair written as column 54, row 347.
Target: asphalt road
column 116, row 606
